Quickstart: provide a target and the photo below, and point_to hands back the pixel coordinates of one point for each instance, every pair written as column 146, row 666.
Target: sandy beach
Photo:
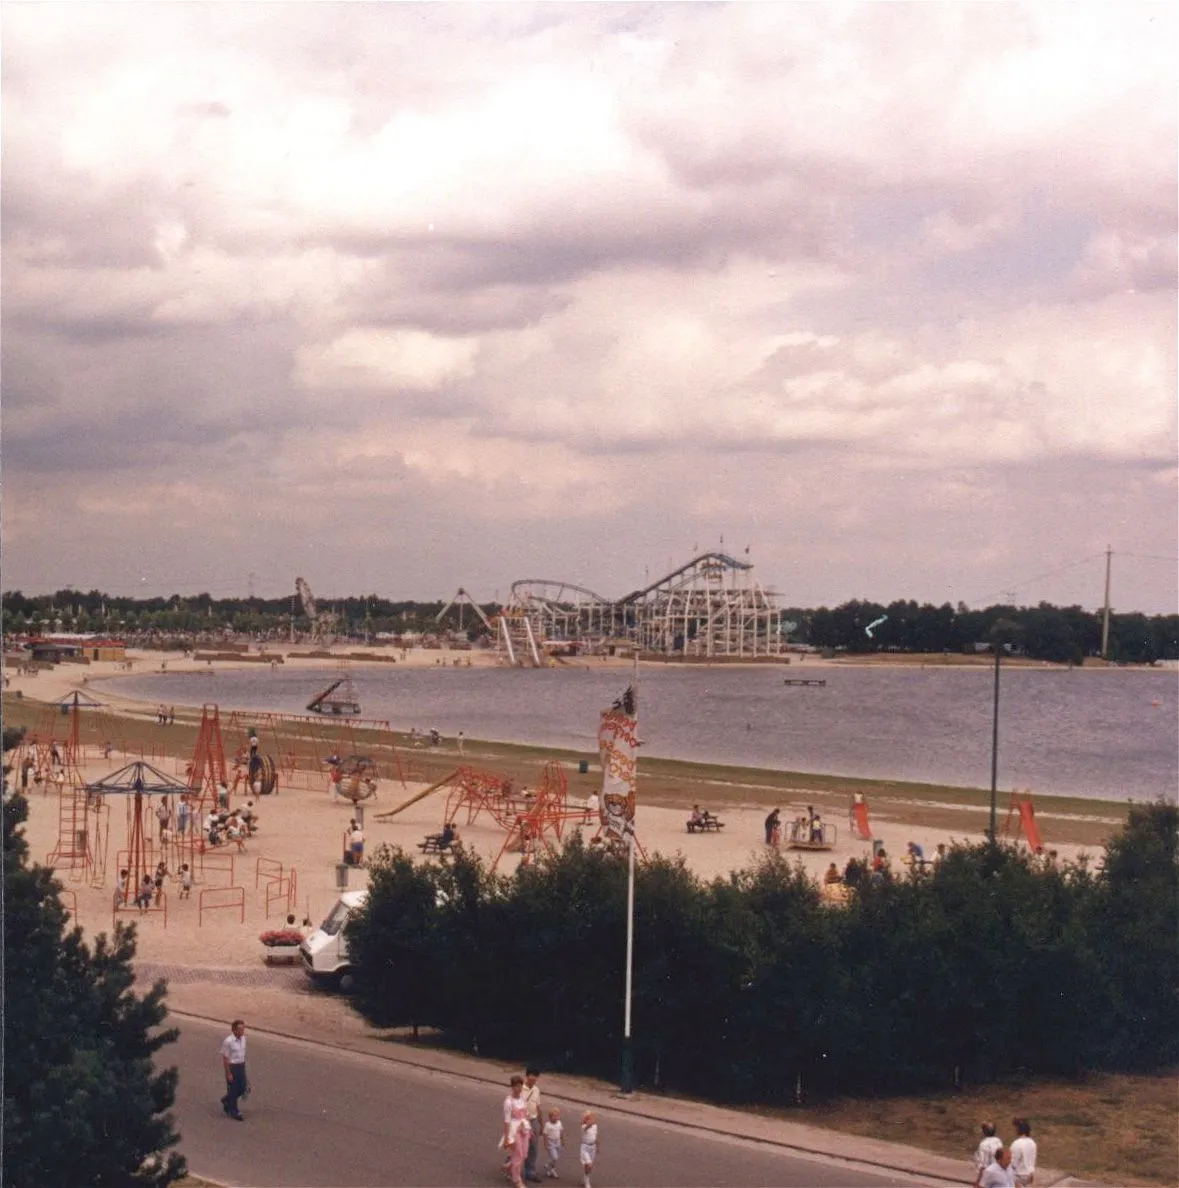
column 302, row 829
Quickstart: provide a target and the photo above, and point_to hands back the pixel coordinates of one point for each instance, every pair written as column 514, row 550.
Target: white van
column 325, row 951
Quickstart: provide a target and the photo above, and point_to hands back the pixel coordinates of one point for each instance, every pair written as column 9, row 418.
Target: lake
column 1101, row 734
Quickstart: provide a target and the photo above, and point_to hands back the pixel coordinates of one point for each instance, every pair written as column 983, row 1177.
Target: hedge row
column 748, row 987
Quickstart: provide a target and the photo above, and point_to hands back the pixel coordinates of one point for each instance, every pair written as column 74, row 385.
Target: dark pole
column 995, row 741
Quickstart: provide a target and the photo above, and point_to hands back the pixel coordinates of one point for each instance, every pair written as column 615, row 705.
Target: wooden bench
column 432, row 844
column 706, row 825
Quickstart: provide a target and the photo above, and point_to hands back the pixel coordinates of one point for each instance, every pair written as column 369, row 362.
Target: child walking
column 554, row 1133
column 589, row 1146
column 185, row 882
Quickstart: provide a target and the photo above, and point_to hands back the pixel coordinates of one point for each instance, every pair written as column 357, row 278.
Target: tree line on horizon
column 1044, row 632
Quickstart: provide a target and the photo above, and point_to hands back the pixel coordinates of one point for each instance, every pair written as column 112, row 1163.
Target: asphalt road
column 319, row 1116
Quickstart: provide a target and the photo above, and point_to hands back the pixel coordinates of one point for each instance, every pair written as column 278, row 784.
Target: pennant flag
column 618, row 745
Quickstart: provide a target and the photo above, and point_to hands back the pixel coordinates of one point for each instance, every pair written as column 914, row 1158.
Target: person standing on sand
column 772, row 825
column 233, row 1063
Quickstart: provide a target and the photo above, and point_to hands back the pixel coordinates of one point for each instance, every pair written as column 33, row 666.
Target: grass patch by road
column 1107, row 1127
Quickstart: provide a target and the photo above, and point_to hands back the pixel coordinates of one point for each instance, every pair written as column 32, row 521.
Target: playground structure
column 62, row 734
column 531, row 819
column 355, row 778
column 83, row 830
column 804, row 834
column 1023, row 813
column 255, row 775
column 139, row 781
column 308, row 746
column 859, row 819
column 712, row 606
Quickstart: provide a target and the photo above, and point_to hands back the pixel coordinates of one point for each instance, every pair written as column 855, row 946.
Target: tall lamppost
column 1002, row 632
column 995, row 742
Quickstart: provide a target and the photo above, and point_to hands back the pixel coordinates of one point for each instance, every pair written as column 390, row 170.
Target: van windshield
column 335, row 921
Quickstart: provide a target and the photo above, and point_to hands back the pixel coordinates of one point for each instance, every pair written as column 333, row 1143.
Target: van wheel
column 346, row 982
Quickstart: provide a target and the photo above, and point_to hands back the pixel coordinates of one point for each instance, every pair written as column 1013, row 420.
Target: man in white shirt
column 233, row 1061
column 985, row 1155
column 997, row 1174
column 1023, row 1152
column 535, row 1120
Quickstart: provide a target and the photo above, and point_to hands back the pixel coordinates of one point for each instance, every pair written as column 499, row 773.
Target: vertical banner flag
column 618, row 749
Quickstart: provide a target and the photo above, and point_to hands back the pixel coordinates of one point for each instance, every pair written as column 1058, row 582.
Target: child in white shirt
column 554, row 1133
column 589, row 1146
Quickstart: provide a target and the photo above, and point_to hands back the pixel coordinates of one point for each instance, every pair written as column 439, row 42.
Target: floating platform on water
column 806, row 682
column 338, row 698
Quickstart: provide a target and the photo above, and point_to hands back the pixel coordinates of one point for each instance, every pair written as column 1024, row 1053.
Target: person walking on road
column 984, row 1156
column 535, row 1122
column 589, row 1146
column 1023, row 1153
column 554, row 1140
column 997, row 1173
column 233, row 1061
column 516, row 1132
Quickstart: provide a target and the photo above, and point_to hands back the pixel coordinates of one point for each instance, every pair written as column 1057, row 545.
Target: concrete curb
column 853, row 1150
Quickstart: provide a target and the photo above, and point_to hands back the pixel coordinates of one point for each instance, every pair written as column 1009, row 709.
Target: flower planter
column 280, row 954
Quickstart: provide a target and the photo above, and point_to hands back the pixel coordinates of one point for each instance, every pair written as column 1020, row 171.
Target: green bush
column 750, row 987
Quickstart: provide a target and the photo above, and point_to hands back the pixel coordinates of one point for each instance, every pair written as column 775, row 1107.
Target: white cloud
column 384, row 359
column 641, row 267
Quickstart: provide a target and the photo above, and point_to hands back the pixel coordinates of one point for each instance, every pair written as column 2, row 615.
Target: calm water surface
column 1107, row 733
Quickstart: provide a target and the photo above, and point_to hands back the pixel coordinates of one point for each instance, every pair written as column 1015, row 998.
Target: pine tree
column 83, row 1103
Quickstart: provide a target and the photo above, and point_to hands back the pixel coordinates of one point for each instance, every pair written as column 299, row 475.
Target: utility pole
column 1105, row 616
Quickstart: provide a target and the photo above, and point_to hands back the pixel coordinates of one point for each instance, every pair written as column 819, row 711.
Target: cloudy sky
column 403, row 297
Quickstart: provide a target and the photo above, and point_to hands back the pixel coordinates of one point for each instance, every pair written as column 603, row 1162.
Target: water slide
column 316, row 703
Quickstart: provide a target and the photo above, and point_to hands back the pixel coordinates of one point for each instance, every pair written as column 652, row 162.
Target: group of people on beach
column 806, row 827
column 999, row 1166
column 527, row 1126
column 220, row 825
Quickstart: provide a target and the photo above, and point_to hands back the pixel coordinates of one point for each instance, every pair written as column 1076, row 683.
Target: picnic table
column 706, row 824
column 432, row 844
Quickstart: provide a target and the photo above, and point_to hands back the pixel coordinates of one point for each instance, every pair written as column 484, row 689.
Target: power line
column 1040, row 577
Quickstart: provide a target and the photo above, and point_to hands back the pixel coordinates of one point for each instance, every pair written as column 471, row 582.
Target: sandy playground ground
column 302, row 829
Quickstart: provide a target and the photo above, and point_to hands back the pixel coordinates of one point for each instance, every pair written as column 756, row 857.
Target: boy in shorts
column 553, row 1138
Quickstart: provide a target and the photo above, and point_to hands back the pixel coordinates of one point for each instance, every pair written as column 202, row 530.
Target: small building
column 54, row 651
column 106, row 649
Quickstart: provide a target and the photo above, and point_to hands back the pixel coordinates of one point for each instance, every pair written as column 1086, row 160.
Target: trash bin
column 583, row 766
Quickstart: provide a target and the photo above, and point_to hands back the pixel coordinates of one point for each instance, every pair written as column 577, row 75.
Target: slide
column 1031, row 831
column 860, row 815
column 418, row 796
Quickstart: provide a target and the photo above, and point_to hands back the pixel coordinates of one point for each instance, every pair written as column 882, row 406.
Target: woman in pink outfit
column 517, row 1132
